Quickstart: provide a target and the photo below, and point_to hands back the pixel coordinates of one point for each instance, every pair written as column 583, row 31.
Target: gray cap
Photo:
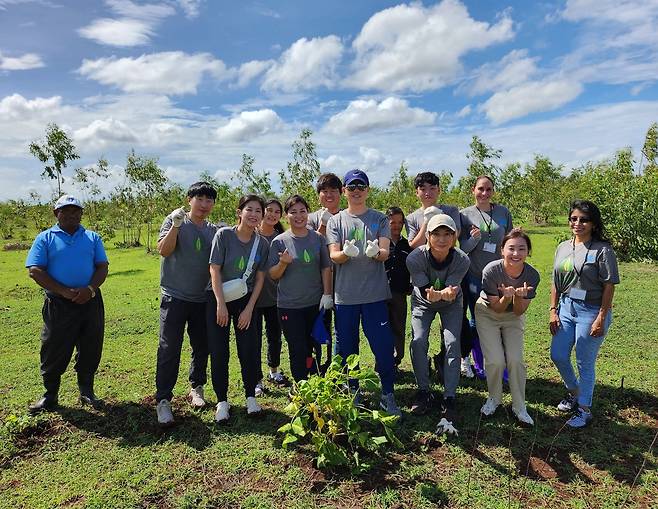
column 67, row 199
column 441, row 220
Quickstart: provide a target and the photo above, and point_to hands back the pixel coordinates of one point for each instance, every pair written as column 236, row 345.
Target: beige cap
column 441, row 220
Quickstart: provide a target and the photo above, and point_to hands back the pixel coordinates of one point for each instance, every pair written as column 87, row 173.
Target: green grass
column 119, row 458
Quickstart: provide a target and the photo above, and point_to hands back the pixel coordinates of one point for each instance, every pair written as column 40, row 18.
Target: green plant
column 324, row 410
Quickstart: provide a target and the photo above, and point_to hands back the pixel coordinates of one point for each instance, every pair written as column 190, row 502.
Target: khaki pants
column 501, row 339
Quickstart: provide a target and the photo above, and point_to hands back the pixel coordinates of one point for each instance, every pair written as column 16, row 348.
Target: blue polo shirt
column 69, row 259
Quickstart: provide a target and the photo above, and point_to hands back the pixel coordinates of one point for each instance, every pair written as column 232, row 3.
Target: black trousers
column 297, row 325
column 397, row 315
column 218, row 347
column 270, row 315
column 68, row 326
column 174, row 315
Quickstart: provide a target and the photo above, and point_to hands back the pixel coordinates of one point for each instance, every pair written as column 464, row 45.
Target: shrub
column 324, row 411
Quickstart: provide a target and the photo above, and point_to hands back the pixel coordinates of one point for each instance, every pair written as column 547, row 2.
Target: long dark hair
column 594, row 214
column 278, row 227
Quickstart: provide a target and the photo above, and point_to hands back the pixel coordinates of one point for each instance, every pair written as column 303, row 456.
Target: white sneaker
column 523, row 416
column 196, row 397
column 165, row 416
column 260, row 390
column 221, row 414
column 489, row 407
column 253, row 408
column 466, row 369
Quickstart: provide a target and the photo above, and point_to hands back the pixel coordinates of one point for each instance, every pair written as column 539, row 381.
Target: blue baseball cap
column 353, row 175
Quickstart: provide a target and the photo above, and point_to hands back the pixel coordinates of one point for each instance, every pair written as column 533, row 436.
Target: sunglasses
column 581, row 220
column 356, row 187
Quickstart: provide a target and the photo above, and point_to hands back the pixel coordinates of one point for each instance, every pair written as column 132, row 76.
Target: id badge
column 489, row 247
column 591, row 257
column 577, row 293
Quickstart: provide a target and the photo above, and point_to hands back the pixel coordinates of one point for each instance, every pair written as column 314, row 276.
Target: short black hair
column 426, row 177
column 294, row 200
column 329, row 180
column 394, row 210
column 202, row 189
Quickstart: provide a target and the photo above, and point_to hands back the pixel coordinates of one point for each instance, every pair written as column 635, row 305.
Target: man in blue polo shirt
column 70, row 264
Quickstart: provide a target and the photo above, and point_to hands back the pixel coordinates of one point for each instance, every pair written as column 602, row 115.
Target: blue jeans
column 377, row 330
column 576, row 318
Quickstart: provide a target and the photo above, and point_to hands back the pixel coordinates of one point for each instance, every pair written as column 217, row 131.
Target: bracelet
column 93, row 292
column 552, row 308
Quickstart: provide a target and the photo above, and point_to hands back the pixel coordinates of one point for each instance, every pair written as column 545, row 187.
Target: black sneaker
column 568, row 404
column 422, row 402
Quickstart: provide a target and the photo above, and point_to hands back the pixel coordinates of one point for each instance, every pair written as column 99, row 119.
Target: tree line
column 537, row 193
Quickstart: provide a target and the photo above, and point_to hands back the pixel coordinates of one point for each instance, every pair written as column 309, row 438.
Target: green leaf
column 289, row 439
column 285, row 428
column 352, row 361
column 379, row 440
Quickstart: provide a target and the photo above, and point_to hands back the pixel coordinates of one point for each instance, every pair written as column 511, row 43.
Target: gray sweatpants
column 451, row 324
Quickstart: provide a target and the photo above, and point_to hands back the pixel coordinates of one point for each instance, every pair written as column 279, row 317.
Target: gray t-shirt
column 585, row 267
column 301, row 283
column 360, row 280
column 233, row 255
column 267, row 297
column 493, row 225
column 415, row 220
column 494, row 274
column 184, row 273
column 427, row 271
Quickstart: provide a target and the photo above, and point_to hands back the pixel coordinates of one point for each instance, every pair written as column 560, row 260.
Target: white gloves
column 430, row 212
column 177, row 217
column 326, row 302
column 350, row 249
column 372, row 248
column 325, row 216
column 446, row 427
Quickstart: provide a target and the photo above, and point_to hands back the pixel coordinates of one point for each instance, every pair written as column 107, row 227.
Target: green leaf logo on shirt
column 308, row 258
column 488, row 228
column 197, row 244
column 357, row 234
column 566, row 265
column 240, row 263
column 438, row 284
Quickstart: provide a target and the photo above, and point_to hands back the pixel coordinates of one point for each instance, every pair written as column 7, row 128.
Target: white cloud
column 250, row 70
column 102, row 133
column 161, row 133
column 122, row 32
column 17, row 107
column 307, row 64
column 513, row 69
column 22, row 63
column 191, row 8
column 248, row 125
column 135, row 26
column 372, row 158
column 412, row 47
column 171, row 72
column 465, row 111
column 530, row 97
column 365, row 115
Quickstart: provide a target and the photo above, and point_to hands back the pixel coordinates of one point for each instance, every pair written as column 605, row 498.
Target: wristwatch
column 93, row 292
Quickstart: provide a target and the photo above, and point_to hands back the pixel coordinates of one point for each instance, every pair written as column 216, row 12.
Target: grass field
column 119, row 458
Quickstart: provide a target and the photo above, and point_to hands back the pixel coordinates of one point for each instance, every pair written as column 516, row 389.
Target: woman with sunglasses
column 299, row 261
column 266, row 309
column 585, row 273
column 233, row 257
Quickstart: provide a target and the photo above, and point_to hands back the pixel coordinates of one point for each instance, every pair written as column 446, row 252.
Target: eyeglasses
column 356, row 187
column 578, row 219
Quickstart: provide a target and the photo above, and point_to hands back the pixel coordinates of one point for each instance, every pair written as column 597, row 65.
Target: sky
column 197, row 83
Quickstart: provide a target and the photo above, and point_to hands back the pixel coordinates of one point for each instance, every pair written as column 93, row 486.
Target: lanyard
column 573, row 254
column 487, row 224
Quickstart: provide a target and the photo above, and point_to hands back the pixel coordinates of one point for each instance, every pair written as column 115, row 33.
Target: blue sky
column 197, row 83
